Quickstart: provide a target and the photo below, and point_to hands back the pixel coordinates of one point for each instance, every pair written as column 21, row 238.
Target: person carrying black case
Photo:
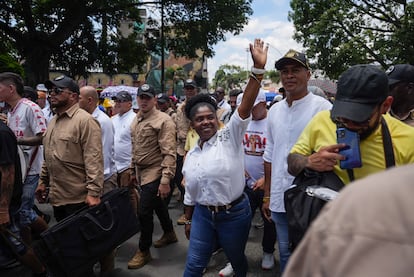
column 75, row 244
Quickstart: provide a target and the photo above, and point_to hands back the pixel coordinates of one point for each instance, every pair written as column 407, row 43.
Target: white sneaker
column 268, row 261
column 227, row 271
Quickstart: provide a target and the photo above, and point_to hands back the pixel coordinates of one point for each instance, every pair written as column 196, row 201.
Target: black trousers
column 149, row 203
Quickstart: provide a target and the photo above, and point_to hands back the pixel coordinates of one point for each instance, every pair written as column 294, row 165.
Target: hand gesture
column 259, row 53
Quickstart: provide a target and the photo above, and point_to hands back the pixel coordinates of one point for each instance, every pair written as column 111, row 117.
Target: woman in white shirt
column 216, row 209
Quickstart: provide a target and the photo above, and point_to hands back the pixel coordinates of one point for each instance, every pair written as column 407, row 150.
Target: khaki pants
column 123, row 181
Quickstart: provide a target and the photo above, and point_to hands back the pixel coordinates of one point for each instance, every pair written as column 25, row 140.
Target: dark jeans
column 178, row 174
column 149, row 203
column 61, row 212
column 269, row 230
column 229, row 228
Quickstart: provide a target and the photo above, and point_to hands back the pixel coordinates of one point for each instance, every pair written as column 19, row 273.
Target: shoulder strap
column 388, row 150
column 387, row 142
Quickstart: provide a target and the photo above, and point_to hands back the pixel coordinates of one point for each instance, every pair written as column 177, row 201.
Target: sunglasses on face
column 56, row 90
column 347, row 122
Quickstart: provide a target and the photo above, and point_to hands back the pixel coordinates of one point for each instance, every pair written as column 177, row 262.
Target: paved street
column 170, row 261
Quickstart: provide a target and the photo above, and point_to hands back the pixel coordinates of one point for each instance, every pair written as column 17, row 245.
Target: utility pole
column 162, row 49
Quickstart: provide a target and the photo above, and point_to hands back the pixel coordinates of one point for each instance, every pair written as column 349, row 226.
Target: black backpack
column 302, row 208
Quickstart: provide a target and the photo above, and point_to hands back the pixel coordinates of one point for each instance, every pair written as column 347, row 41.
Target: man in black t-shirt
column 10, row 197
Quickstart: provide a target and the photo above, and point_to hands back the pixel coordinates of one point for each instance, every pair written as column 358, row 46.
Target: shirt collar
column 141, row 115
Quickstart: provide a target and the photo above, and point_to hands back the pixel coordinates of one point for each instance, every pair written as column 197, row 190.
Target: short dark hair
column 235, row 92
column 198, row 101
column 13, row 78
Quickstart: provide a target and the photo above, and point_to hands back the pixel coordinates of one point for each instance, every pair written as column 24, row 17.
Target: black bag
column 301, row 208
column 75, row 244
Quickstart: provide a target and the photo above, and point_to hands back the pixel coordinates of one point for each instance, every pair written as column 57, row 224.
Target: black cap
column 360, row 89
column 400, row 73
column 63, row 81
column 30, row 93
column 292, row 55
column 146, row 89
column 163, row 98
column 122, row 96
column 190, row 83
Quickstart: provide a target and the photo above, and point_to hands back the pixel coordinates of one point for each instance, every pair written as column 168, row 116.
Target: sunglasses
column 58, row 90
column 347, row 122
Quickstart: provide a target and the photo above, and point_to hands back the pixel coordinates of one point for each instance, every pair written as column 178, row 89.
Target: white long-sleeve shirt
column 285, row 124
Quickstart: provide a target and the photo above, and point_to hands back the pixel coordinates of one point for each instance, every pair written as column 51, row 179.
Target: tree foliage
column 341, row 33
column 78, row 35
column 230, row 77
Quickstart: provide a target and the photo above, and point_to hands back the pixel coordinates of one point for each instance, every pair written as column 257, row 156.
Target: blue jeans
column 27, row 214
column 228, row 228
column 281, row 224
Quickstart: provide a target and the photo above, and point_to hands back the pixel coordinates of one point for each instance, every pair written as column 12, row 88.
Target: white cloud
column 233, row 51
column 268, row 22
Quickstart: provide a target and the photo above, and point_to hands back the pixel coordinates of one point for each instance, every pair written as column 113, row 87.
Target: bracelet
column 188, row 222
column 266, row 199
column 258, row 71
column 258, row 79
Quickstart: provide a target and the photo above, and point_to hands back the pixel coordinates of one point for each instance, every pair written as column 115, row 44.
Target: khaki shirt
column 183, row 125
column 73, row 165
column 153, row 147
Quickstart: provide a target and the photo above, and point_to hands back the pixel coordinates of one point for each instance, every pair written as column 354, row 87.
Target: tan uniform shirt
column 153, row 146
column 183, row 125
column 367, row 231
column 73, row 166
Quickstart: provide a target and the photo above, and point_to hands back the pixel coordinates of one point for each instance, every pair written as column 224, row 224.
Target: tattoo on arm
column 296, row 163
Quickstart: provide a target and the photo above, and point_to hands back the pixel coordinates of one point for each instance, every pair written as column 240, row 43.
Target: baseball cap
column 162, row 98
column 400, row 73
column 261, row 97
column 292, row 55
column 146, row 89
column 41, row 87
column 190, row 83
column 30, row 93
column 63, row 81
column 122, row 96
column 360, row 89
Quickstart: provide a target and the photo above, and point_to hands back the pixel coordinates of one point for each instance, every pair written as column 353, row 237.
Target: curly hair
column 197, row 101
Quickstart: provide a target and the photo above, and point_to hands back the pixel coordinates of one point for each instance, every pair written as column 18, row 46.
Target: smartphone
column 351, row 151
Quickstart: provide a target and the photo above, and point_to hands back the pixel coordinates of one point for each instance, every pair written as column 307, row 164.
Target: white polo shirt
column 122, row 141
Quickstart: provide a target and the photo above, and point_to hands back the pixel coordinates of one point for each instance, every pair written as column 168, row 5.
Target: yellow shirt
column 321, row 131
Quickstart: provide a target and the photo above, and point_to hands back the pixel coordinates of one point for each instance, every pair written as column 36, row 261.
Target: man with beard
column 73, row 168
column 401, row 83
column 361, row 105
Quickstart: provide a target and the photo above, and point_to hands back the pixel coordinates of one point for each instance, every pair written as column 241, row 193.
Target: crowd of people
column 227, row 159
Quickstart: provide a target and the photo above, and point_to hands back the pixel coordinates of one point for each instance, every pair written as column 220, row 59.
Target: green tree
column 341, row 33
column 230, row 77
column 61, row 33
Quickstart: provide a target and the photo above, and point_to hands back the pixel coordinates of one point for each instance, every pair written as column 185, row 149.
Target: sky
column 268, row 22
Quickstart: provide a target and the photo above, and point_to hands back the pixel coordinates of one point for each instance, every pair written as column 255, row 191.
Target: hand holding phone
column 351, row 151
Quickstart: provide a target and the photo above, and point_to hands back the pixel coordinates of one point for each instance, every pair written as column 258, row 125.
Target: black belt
column 225, row 207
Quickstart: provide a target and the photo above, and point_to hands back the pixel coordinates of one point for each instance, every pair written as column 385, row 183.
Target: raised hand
column 258, row 51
